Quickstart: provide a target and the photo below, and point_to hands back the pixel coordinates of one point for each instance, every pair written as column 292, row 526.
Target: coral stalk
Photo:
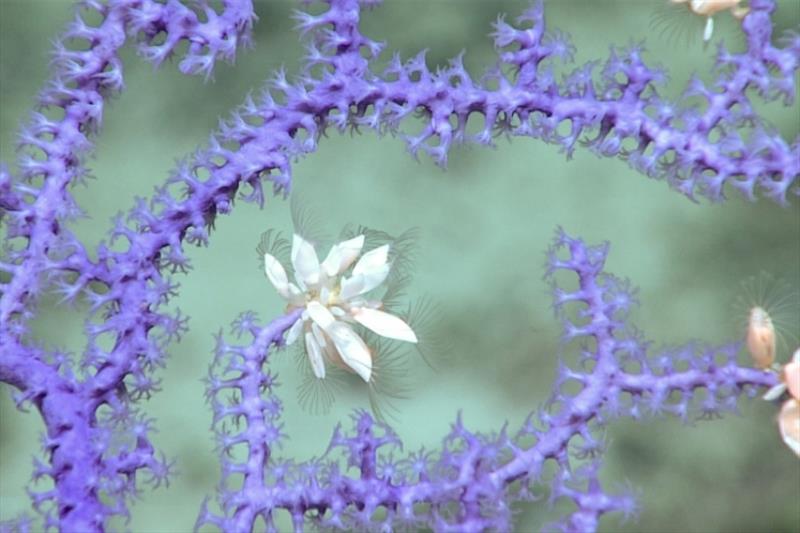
column 616, row 112
column 471, row 483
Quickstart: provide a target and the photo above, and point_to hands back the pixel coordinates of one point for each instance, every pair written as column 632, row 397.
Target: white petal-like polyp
column 373, row 260
column 276, row 275
column 775, row 392
column 364, row 282
column 352, row 349
column 294, row 332
column 351, row 287
column 385, row 324
column 305, row 261
column 320, row 314
column 319, row 335
column 789, row 423
column 331, row 263
column 791, row 376
column 374, row 277
column 342, row 255
column 350, row 250
column 315, row 356
column 709, row 29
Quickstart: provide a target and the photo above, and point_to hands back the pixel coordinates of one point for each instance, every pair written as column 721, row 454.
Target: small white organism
column 672, row 21
column 333, row 296
column 709, row 8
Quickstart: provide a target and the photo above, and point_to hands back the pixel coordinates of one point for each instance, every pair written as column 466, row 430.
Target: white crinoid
column 332, row 295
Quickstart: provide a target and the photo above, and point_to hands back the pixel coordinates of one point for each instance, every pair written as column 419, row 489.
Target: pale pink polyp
column 791, row 376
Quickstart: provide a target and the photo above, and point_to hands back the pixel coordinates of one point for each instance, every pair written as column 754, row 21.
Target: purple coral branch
column 81, row 83
column 472, row 482
column 42, row 255
column 83, row 464
column 261, row 415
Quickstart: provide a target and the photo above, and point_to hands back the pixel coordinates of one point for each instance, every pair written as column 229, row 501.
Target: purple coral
column 87, row 403
column 472, row 482
column 83, row 405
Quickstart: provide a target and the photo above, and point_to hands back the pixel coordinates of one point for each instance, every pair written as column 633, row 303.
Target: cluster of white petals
column 332, row 300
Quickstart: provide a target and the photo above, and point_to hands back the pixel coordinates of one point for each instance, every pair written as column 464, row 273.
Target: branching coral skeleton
column 488, row 472
column 471, row 483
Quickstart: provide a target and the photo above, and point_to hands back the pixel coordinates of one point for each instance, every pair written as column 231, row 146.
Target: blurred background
column 485, row 224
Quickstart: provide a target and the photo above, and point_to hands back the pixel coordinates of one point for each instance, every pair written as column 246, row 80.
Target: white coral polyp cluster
column 332, row 300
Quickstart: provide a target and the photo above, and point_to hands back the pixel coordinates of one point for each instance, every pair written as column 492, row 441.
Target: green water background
column 485, row 224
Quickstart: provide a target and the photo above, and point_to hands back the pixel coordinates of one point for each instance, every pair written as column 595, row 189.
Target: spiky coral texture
column 85, row 405
column 88, row 402
column 471, row 483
